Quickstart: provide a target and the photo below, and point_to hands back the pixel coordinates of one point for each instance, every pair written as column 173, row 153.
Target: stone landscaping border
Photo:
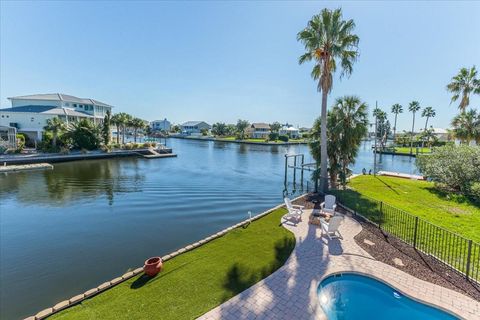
column 110, row 284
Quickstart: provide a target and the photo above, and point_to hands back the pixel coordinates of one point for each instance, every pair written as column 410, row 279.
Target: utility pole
column 375, row 147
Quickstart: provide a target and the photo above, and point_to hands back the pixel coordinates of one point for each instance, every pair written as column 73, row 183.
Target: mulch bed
column 415, row 263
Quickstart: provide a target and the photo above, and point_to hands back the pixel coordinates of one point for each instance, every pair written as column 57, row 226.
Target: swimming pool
column 350, row 296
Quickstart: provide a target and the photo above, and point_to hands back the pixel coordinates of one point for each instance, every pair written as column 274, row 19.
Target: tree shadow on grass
column 451, row 196
column 387, row 185
column 367, row 207
column 241, row 277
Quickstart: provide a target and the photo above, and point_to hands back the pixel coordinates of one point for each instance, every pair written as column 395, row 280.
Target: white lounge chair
column 294, row 211
column 331, row 227
column 329, row 205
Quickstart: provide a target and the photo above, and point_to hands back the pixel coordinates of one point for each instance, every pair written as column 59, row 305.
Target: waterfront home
column 291, row 132
column 29, row 114
column 194, row 128
column 259, row 130
column 160, row 125
column 440, row 133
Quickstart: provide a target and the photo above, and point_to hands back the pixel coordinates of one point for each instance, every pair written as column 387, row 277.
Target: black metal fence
column 457, row 252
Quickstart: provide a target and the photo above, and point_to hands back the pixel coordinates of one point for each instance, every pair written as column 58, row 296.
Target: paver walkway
column 291, row 291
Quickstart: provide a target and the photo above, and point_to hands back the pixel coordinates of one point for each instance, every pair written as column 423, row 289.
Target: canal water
column 69, row 229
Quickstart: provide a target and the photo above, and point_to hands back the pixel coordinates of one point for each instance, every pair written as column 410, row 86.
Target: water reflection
column 73, row 182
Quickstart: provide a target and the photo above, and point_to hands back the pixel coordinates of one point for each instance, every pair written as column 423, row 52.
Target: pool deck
column 291, row 292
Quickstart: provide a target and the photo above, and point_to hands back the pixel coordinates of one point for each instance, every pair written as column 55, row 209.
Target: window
column 75, row 105
column 32, row 119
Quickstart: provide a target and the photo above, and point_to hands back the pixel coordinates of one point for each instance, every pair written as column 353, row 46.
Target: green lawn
column 419, row 198
column 197, row 281
column 406, row 150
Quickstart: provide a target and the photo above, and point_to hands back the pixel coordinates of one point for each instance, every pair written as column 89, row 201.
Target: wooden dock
column 400, row 175
column 26, row 167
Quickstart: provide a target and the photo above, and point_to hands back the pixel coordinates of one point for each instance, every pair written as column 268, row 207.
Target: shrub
column 147, row 145
column 454, row 168
column 20, row 142
column 474, row 191
column 154, row 144
column 64, row 150
column 273, row 136
column 283, row 138
column 85, row 135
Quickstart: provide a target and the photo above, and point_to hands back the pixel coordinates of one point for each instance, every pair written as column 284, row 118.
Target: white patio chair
column 329, row 205
column 331, row 227
column 294, row 211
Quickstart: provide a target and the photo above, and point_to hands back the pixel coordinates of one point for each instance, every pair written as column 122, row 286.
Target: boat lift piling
column 298, row 164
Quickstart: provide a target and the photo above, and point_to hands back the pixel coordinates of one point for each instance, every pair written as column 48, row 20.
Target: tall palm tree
column 383, row 126
column 117, row 121
column 465, row 127
column 413, row 107
column 463, row 84
column 136, row 124
column 428, row 113
column 396, row 109
column 124, row 119
column 328, row 38
column 56, row 126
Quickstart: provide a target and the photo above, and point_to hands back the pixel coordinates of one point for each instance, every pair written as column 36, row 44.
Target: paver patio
column 291, row 292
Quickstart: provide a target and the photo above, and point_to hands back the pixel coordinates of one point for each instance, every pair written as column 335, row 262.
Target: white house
column 194, row 128
column 291, row 132
column 29, row 114
column 259, row 130
column 160, row 125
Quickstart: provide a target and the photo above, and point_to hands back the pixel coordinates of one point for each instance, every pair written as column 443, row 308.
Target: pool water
column 350, row 296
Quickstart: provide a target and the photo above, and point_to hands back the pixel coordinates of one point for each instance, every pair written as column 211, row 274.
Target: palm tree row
column 123, row 121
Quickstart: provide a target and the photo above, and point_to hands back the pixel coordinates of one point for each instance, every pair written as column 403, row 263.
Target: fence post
column 469, row 256
column 381, row 215
column 415, row 233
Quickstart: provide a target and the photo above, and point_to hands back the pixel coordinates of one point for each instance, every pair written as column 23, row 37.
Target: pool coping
column 62, row 305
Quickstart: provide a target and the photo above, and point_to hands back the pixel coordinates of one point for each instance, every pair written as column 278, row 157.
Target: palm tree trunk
column 395, row 128
column 323, row 145
column 118, row 133
column 411, row 138
column 54, row 140
column 135, row 136
column 424, row 131
column 123, row 134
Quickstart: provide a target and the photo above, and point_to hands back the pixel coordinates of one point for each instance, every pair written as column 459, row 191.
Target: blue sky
column 221, row 61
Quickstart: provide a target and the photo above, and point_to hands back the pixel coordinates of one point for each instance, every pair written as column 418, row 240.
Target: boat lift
column 298, row 164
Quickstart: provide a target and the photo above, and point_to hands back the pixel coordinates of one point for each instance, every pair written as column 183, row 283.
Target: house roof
column 437, row 130
column 193, row 123
column 48, row 110
column 260, row 125
column 291, row 129
column 60, row 97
